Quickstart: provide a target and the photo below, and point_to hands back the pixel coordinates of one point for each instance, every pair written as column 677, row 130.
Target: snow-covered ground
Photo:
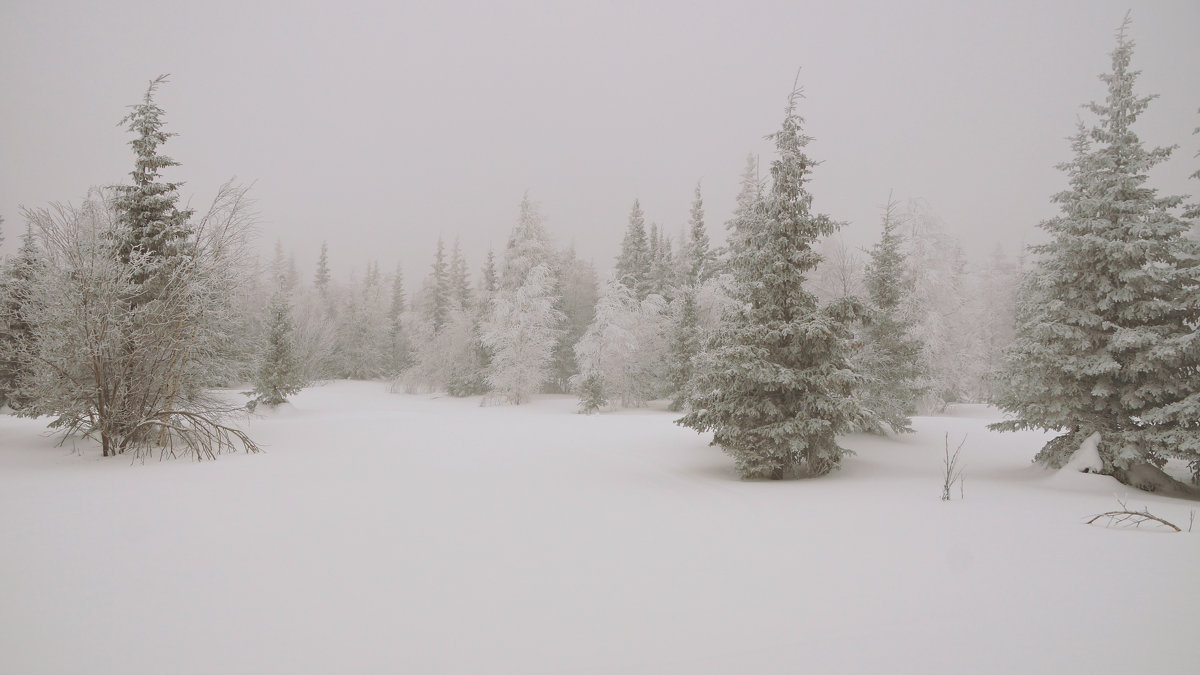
column 395, row 533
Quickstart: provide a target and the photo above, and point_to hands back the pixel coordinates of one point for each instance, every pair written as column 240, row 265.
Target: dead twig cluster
column 953, row 470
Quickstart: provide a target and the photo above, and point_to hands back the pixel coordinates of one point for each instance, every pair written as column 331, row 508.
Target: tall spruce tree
column 633, row 263
column 890, row 357
column 528, row 245
column 322, row 277
column 459, row 277
column 773, row 383
column 699, row 262
column 439, row 286
column 279, row 373
column 153, row 224
column 1106, row 328
column 16, row 333
column 698, row 266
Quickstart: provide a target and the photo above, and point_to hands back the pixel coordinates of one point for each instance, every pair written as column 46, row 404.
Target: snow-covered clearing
column 396, row 533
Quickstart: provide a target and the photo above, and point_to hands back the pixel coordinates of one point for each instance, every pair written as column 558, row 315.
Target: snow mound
column 1087, row 458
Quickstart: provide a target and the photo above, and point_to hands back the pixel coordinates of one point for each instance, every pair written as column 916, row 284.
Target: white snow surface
column 398, row 533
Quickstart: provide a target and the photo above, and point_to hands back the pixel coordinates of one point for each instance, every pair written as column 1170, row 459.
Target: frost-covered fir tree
column 16, row 333
column 633, row 263
column 322, row 277
column 489, row 281
column 459, row 277
column 890, row 358
column 399, row 353
column 528, row 246
column 153, row 226
column 521, row 333
column 279, row 374
column 438, row 307
column 697, row 259
column 576, row 301
column 698, row 265
column 773, row 384
column 1106, row 328
column 744, row 212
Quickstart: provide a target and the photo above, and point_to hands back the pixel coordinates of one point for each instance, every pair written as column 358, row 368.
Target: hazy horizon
column 379, row 127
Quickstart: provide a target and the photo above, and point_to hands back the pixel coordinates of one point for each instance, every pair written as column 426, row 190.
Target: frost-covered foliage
column 890, row 359
column 1106, row 325
column 773, row 383
column 16, row 336
column 696, row 267
column 130, row 366
column 936, row 306
column 364, row 338
column 528, row 246
column 322, row 277
column 991, row 314
column 576, row 300
column 633, row 268
column 697, row 259
column 625, row 346
column 279, row 374
column 152, row 225
column 521, row 333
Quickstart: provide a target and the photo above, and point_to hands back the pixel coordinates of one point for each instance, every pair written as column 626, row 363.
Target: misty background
column 380, row 126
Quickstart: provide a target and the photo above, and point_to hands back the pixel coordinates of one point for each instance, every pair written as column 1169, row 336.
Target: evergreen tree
column 699, row 262
column 633, row 263
column 489, row 283
column 153, row 225
column 685, row 344
column 576, row 301
column 592, row 397
column 322, row 277
column 890, row 359
column 1106, row 329
column 16, row 333
column 528, row 246
column 698, row 266
column 398, row 338
column 773, row 384
column 745, row 212
column 460, row 282
column 279, row 374
column 439, row 287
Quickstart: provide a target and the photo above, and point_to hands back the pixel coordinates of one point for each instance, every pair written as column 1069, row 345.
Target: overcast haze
column 380, row 126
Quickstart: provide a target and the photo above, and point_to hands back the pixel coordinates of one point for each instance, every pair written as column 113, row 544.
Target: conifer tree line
column 775, row 336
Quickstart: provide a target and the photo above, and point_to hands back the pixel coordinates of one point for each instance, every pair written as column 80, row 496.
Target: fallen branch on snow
column 1128, row 518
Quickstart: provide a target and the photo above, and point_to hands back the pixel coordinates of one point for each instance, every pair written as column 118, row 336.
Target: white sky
column 379, row 126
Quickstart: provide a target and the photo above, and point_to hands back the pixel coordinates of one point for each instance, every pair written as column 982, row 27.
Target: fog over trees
column 123, row 312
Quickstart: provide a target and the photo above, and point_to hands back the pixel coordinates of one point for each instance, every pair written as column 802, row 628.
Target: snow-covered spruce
column 279, row 374
column 773, row 384
column 890, row 358
column 1106, row 334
